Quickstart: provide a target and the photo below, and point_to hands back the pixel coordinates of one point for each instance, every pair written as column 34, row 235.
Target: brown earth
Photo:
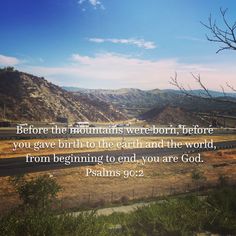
column 159, row 179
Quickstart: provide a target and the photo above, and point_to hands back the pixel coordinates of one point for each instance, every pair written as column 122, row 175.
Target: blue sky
column 115, row 43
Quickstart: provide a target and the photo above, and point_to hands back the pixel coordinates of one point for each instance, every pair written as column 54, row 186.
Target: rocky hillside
column 193, row 110
column 171, row 115
column 28, row 97
column 147, row 104
column 132, row 102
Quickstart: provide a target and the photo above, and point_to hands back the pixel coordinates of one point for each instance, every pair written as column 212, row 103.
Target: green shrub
column 37, row 193
column 32, row 223
column 187, row 215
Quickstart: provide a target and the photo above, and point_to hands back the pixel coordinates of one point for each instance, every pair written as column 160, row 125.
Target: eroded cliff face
column 28, row 97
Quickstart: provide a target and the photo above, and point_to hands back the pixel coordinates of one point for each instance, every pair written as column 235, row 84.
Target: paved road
column 10, row 133
column 15, row 166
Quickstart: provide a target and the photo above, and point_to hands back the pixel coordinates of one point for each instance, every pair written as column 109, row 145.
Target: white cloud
column 94, row 3
column 97, row 40
column 141, row 43
column 190, row 38
column 8, row 61
column 110, row 70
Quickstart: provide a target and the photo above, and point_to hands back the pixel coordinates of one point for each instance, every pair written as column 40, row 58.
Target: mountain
column 174, row 115
column 215, row 94
column 131, row 101
column 193, row 110
column 168, row 106
column 142, row 103
column 28, row 97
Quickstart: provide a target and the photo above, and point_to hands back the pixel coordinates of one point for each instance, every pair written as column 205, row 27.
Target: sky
column 115, row 44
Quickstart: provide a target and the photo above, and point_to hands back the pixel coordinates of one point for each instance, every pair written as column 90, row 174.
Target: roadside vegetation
column 214, row 212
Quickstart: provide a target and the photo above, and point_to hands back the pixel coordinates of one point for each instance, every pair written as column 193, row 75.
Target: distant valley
column 165, row 106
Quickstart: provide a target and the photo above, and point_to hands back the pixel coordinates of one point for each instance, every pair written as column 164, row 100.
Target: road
column 10, row 133
column 16, row 166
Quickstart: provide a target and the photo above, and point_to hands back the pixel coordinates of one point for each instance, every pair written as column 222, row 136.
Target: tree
column 38, row 193
column 205, row 93
column 8, row 68
column 225, row 36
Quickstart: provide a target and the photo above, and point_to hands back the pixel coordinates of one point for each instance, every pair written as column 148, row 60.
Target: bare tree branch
column 226, row 36
column 206, row 94
column 231, row 87
column 174, row 81
column 198, row 79
column 223, row 91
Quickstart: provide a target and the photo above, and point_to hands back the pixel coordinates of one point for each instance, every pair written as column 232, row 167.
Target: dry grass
column 160, row 179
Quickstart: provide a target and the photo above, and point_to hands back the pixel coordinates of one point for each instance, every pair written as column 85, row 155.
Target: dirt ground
column 159, row 179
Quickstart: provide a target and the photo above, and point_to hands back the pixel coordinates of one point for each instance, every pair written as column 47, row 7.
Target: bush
column 124, row 200
column 172, row 217
column 223, row 201
column 36, row 218
column 37, row 193
column 189, row 215
column 32, row 223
